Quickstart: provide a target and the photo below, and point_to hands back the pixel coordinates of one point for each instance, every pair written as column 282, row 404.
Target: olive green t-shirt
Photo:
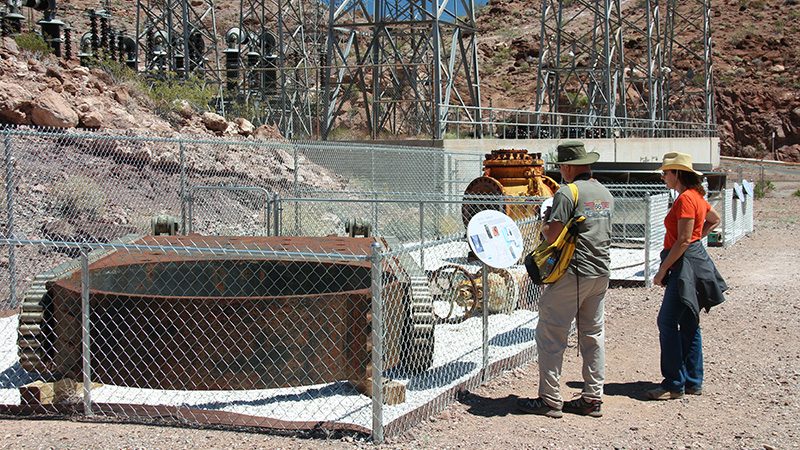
column 591, row 258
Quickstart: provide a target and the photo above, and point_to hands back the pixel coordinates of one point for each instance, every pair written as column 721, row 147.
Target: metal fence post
column 190, row 197
column 375, row 213
column 182, row 152
column 85, row 337
column 12, row 251
column 267, row 214
column 372, row 169
column 377, row 345
column 422, row 235
column 485, row 310
column 458, row 124
column 725, row 222
column 449, row 177
column 276, row 216
column 297, row 218
column 647, row 237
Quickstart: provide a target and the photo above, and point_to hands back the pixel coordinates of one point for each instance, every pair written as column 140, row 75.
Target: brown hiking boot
column 660, row 393
column 539, row 407
column 695, row 390
column 584, row 407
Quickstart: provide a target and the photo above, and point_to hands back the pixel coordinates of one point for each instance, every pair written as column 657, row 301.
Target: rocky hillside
column 756, row 55
column 756, row 58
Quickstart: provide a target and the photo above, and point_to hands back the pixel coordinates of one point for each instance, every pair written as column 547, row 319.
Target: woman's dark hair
column 691, row 180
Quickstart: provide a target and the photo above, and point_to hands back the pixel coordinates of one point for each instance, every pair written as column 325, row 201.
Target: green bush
column 578, row 99
column 119, row 72
column 79, row 196
column 33, row 43
column 249, row 110
column 796, row 193
column 763, row 187
column 166, row 93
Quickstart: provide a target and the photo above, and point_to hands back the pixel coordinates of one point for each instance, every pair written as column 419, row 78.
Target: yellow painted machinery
column 510, row 173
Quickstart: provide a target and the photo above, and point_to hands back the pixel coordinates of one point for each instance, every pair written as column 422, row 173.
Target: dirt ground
column 751, row 395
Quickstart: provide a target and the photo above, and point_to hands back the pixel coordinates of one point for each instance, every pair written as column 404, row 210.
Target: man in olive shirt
column 579, row 293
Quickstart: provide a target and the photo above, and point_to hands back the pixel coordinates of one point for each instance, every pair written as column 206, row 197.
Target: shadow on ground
column 487, row 406
column 504, row 406
column 635, row 389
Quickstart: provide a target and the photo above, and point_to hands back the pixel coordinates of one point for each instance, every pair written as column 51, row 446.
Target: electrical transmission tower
column 178, row 36
column 404, row 63
column 611, row 66
column 272, row 61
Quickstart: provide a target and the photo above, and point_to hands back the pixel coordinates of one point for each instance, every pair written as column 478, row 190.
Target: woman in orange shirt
column 685, row 271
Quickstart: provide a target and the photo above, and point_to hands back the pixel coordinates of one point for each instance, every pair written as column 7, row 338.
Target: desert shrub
column 741, row 34
column 167, row 91
column 578, row 99
column 502, row 55
column 796, row 193
column 119, row 72
column 33, row 43
column 250, row 110
column 763, row 187
column 79, row 195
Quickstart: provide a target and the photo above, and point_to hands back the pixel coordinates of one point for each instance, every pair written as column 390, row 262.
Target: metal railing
column 462, row 122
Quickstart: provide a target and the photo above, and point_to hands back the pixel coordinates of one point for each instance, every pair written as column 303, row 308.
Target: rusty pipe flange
column 455, row 294
column 481, row 186
column 503, row 290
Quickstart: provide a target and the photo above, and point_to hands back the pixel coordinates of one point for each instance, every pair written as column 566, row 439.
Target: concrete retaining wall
column 704, row 151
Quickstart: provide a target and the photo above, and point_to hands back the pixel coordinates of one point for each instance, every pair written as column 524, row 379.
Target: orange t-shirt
column 689, row 205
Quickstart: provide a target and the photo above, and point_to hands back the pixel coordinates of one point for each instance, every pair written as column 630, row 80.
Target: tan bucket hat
column 678, row 161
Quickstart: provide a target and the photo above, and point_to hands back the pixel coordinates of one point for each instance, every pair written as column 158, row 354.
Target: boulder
column 244, row 126
column 267, row 132
column 214, row 122
column 184, row 109
column 103, row 76
column 81, row 71
column 91, row 119
column 10, row 46
column 51, row 110
column 54, row 72
column 14, row 103
column 121, row 95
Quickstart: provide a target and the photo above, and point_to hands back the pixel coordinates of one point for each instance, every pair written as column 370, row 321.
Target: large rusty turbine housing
column 510, row 172
column 197, row 321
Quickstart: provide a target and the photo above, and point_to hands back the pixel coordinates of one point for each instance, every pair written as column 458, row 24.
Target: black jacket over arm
column 699, row 283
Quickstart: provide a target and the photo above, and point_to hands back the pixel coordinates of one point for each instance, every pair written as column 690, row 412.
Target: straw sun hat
column 678, row 161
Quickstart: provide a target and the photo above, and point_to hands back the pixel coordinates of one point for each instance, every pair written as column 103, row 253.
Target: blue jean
column 681, row 343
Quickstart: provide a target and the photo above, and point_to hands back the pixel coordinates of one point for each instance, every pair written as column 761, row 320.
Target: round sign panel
column 495, row 239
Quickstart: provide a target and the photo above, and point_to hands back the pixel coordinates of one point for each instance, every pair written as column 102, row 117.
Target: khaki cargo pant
column 558, row 306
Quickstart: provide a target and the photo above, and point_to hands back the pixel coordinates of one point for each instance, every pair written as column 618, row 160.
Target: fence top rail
column 286, row 144
column 460, row 200
column 217, row 251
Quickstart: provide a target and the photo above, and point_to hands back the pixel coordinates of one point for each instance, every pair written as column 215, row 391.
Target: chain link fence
column 214, row 283
column 217, row 283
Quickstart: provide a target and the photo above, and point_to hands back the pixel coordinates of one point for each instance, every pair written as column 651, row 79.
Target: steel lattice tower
column 177, row 36
column 278, row 42
column 613, row 67
column 403, row 62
